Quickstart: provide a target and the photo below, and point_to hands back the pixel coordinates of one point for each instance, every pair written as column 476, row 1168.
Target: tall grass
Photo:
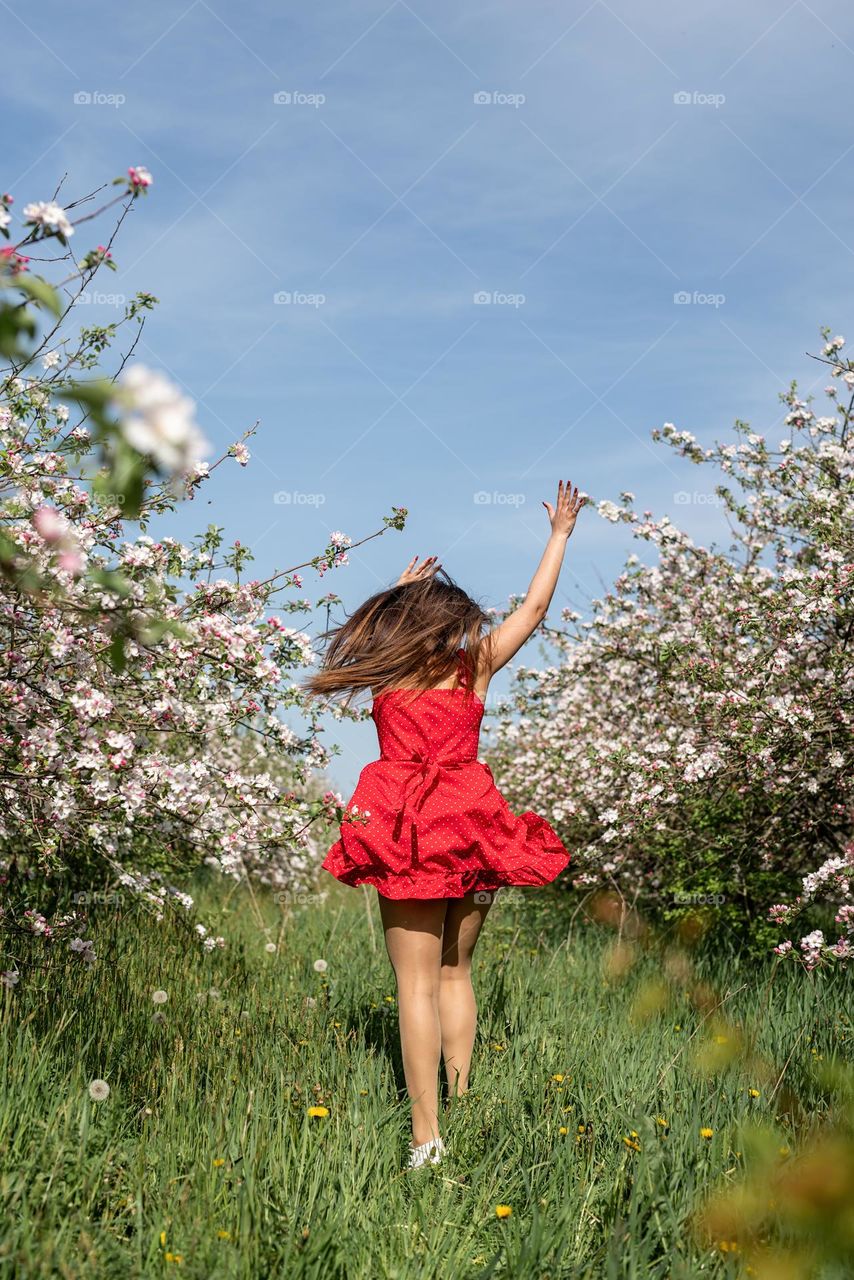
column 584, row 1116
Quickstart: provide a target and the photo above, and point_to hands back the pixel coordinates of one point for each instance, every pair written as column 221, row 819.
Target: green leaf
column 156, row 628
column 111, row 580
column 116, row 653
column 122, row 479
column 40, row 291
column 15, row 323
column 94, row 394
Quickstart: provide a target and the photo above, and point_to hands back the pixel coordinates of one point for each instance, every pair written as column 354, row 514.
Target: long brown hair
column 404, row 637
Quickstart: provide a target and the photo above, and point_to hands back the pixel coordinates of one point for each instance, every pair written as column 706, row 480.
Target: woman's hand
column 424, row 570
column 563, row 515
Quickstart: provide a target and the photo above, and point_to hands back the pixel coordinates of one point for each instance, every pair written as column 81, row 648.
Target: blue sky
column 624, row 155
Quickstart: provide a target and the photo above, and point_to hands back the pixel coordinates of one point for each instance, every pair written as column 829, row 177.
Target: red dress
column 438, row 826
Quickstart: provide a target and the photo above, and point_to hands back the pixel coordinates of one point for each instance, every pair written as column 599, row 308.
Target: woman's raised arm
column 508, row 638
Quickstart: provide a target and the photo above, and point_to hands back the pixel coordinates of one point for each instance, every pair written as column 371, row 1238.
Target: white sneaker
column 428, row 1153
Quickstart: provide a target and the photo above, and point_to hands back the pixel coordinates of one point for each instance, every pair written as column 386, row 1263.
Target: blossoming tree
column 693, row 737
column 143, row 679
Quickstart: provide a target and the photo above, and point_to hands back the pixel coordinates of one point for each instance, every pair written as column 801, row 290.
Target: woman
column 426, row 825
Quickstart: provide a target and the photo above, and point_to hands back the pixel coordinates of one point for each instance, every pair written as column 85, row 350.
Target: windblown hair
column 405, row 637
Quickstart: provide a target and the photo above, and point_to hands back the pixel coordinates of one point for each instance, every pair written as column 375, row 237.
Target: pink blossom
column 139, row 177
column 50, row 524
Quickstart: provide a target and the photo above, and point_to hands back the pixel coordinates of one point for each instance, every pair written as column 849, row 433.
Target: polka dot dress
column 438, row 826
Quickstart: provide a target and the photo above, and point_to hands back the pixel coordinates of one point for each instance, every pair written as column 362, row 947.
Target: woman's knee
column 417, row 985
column 457, row 969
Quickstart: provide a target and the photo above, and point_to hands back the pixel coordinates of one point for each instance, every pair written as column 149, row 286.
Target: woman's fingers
column 427, row 567
column 571, row 496
column 568, row 504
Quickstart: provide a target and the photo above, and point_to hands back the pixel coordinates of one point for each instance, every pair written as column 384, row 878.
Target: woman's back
column 435, row 723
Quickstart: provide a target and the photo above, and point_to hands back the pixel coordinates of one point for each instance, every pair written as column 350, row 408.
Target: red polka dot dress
column 438, row 826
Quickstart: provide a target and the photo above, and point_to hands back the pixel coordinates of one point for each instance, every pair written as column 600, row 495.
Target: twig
column 786, row 1063
column 369, row 914
column 719, row 1005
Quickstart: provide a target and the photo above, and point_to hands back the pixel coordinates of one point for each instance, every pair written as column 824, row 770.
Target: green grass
column 205, row 1135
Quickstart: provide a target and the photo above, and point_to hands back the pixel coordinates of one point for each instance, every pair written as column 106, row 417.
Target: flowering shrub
column 143, row 679
column 693, row 741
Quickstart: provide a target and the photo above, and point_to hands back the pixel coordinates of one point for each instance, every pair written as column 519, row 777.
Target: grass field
column 594, row 1082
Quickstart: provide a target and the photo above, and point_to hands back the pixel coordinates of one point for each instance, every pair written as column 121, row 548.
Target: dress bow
column 419, row 787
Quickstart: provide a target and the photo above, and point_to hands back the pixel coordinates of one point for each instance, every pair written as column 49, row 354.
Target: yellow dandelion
column 558, row 1078
column 163, row 1238
column 223, row 1235
column 706, row 1133
column 499, row 1048
column 174, row 1257
column 363, row 1092
column 661, row 1120
column 631, row 1142
column 503, row 1211
column 219, row 1162
column 318, row 1111
column 754, row 1093
column 562, row 1130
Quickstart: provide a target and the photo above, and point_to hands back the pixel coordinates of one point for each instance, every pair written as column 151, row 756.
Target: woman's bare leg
column 413, row 937
column 457, row 1005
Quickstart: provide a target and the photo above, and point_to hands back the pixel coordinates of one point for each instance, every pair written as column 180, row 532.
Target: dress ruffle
column 451, row 850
